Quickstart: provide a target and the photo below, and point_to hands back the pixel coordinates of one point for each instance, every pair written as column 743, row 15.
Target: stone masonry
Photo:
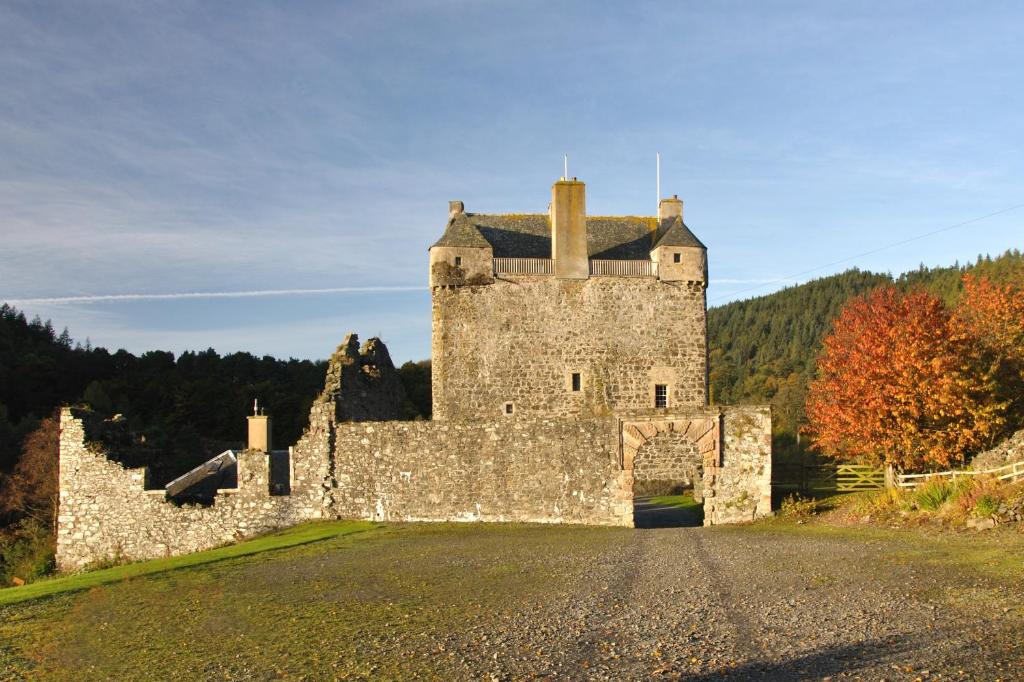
column 520, row 339
column 557, row 386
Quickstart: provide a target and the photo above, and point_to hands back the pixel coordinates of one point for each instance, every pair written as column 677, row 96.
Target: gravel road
column 700, row 604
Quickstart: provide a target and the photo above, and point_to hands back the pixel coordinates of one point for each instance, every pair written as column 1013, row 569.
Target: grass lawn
column 684, row 501
column 668, row 511
column 310, row 612
column 298, row 535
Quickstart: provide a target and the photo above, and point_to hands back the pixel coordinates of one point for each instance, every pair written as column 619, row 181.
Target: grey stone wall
column 519, row 340
column 518, row 469
column 740, row 489
column 670, row 458
column 106, row 514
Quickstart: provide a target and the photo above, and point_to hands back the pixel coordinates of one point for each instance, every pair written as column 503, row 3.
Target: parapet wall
column 106, row 514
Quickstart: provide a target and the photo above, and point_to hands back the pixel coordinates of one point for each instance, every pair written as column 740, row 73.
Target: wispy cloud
column 181, row 296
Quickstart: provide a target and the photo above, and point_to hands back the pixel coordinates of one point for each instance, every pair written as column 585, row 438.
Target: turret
column 462, row 255
column 680, row 256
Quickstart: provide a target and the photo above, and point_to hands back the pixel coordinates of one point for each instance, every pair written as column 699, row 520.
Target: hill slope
column 765, row 349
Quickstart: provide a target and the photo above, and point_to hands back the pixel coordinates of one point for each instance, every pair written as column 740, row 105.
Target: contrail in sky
column 104, row 298
column 118, row 298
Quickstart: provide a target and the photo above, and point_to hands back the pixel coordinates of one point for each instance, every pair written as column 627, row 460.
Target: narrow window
column 508, row 408
column 458, row 260
column 661, row 395
column 675, row 257
column 576, row 381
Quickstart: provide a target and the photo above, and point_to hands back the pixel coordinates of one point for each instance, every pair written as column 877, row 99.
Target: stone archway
column 704, row 432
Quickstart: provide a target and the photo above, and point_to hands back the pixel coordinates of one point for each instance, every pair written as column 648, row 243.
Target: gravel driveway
column 694, row 604
column 772, row 601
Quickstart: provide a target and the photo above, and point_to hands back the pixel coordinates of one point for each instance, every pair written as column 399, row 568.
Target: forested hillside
column 765, row 349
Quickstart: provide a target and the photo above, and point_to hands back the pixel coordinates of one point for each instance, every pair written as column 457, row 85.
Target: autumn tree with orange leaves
column 993, row 316
column 900, row 381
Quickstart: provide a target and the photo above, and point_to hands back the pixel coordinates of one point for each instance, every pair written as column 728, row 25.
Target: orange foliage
column 899, row 382
column 30, row 491
column 993, row 316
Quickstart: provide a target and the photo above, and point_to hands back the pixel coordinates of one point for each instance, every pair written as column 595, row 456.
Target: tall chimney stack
column 569, row 229
column 670, row 208
column 259, row 430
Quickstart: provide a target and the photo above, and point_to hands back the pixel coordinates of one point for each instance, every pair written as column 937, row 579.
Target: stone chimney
column 670, row 208
column 455, row 208
column 569, row 229
column 259, row 430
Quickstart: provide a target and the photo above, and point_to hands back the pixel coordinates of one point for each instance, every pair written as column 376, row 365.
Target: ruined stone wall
column 106, row 514
column 519, row 340
column 518, row 469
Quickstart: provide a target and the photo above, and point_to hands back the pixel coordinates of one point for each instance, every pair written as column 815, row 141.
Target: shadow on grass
column 667, row 511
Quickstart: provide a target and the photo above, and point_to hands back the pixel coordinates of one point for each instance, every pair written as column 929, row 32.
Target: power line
column 790, row 278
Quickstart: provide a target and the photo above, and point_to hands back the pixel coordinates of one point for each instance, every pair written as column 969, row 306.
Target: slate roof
column 462, row 232
column 529, row 235
column 674, row 232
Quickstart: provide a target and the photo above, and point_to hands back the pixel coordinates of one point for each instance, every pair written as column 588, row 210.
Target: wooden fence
column 818, row 479
column 1009, row 472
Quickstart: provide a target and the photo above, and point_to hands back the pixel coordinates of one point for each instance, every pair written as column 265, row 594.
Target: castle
column 569, row 358
column 568, row 315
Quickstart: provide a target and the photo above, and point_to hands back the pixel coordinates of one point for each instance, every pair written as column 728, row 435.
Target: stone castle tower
column 565, row 314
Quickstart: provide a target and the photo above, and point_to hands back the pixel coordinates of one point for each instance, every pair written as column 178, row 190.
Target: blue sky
column 174, row 148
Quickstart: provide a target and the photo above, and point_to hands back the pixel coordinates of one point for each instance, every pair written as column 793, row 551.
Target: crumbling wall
column 518, row 469
column 362, row 382
column 107, row 514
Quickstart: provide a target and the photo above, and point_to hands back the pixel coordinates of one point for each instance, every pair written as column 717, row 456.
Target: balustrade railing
column 523, row 266
column 623, row 268
column 598, row 268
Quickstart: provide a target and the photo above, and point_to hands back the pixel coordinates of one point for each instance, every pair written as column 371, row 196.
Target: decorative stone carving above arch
column 705, row 432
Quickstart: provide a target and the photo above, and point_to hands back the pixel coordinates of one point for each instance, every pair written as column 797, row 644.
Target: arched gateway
column 733, row 488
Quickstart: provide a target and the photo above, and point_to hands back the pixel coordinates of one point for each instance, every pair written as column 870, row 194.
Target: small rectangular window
column 458, row 261
column 577, row 382
column 675, row 257
column 661, row 395
column 509, row 408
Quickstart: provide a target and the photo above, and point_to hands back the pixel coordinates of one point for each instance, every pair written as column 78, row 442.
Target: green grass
column 685, row 501
column 298, row 535
column 996, row 554
column 371, row 605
